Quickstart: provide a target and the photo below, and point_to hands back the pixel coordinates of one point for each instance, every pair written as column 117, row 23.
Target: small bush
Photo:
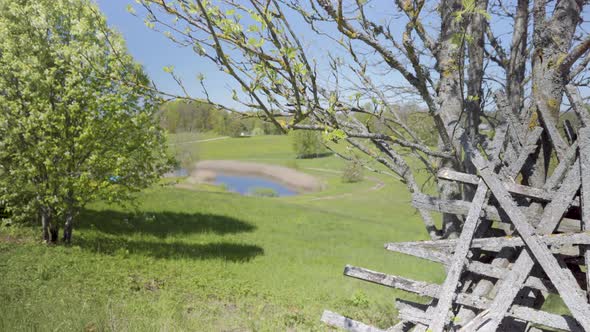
column 307, row 143
column 257, row 131
column 359, row 300
column 186, row 158
column 264, row 192
column 353, row 171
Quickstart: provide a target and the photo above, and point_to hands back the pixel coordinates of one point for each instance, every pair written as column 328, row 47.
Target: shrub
column 187, row 158
column 257, row 131
column 307, row 143
column 353, row 171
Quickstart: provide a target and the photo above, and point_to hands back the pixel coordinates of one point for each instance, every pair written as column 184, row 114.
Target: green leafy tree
column 76, row 121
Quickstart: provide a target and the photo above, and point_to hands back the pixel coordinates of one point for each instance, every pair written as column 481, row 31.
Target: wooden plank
column 460, row 255
column 430, row 254
column 413, row 312
column 417, row 313
column 494, row 244
column 550, row 126
column 531, row 143
column 584, row 143
column 432, row 290
column 510, row 286
column 562, row 279
column 417, row 287
column 578, row 104
column 513, row 188
column 495, row 147
column 561, row 170
column 422, row 201
column 487, row 270
column 345, row 323
column 562, row 322
column 457, row 265
column 402, row 326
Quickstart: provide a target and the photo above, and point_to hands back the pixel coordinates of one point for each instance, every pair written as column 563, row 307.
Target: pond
column 253, row 185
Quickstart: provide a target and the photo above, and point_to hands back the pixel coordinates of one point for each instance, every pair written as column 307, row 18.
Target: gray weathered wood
column 513, row 188
column 561, row 170
column 479, row 268
column 447, row 292
column 345, row 323
column 562, row 322
column 515, row 166
column 408, row 285
column 417, row 313
column 494, row 244
column 510, row 286
column 584, row 143
column 578, row 104
column 432, row 290
column 413, row 312
column 563, row 280
column 558, row 142
column 460, row 207
column 402, row 326
column 495, row 147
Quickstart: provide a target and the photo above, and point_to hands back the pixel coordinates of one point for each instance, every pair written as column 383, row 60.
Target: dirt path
column 201, row 140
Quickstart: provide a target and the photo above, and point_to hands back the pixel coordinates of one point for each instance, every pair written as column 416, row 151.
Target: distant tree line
column 192, row 116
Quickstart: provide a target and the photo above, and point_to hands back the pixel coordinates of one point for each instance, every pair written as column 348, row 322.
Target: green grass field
column 207, row 260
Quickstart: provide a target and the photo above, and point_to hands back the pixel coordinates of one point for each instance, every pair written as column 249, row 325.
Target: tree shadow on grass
column 234, row 252
column 160, row 224
column 114, row 232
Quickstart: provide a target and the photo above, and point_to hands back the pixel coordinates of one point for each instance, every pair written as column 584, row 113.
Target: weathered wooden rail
column 545, row 229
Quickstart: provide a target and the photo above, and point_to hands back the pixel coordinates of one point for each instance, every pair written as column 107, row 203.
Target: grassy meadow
column 202, row 259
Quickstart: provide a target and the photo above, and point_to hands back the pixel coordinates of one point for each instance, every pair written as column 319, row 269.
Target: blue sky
column 155, row 51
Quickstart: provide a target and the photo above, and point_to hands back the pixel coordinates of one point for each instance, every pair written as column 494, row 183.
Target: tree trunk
column 54, row 231
column 475, row 49
column 68, row 227
column 552, row 39
column 516, row 68
column 45, row 221
column 449, row 65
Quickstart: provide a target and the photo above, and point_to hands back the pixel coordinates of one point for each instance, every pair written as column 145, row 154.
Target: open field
column 205, row 260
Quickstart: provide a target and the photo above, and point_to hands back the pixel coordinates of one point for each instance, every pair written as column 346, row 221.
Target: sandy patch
column 205, row 173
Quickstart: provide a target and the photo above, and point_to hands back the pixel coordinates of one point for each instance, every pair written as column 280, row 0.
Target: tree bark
column 45, row 221
column 516, row 67
column 449, row 65
column 475, row 52
column 54, row 231
column 552, row 39
column 68, row 227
